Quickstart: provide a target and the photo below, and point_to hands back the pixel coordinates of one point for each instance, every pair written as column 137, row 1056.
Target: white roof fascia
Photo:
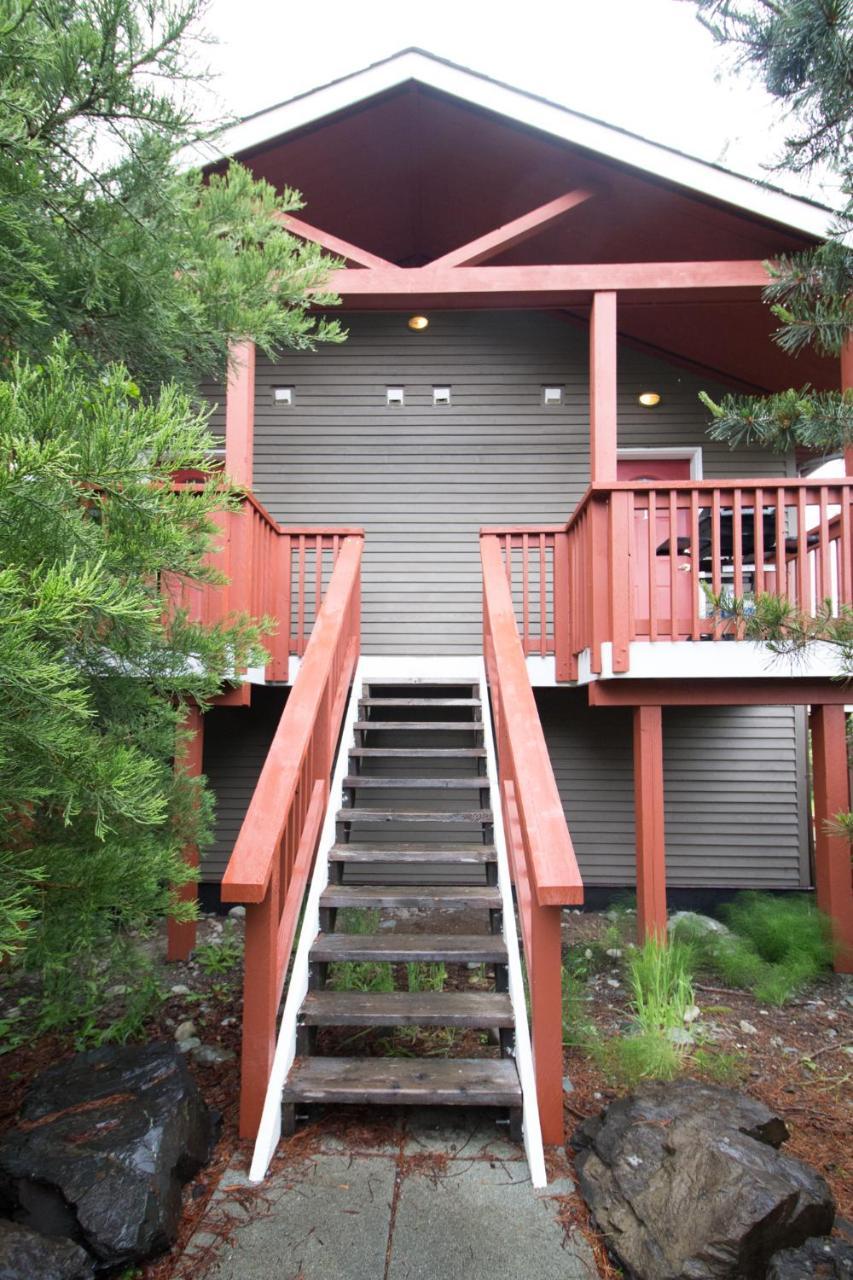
column 560, row 122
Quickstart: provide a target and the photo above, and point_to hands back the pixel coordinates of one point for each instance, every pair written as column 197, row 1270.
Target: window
column 553, row 395
column 282, row 397
column 395, row 396
column 441, row 395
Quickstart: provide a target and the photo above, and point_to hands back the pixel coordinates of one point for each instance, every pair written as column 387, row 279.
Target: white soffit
column 560, row 122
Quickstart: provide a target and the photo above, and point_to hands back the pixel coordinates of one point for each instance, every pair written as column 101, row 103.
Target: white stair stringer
column 269, row 1131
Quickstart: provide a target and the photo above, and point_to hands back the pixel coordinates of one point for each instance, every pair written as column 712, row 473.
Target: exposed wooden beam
column 832, row 851
column 770, row 691
column 334, row 244
column 240, row 413
column 550, row 285
column 602, row 388
column 513, row 233
column 649, row 823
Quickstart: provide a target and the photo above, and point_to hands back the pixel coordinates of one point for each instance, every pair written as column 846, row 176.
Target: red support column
column 602, row 388
column 649, row 819
column 847, row 385
column 834, row 890
column 181, row 937
column 240, row 413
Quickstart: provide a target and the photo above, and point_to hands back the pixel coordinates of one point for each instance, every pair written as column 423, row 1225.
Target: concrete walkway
column 426, row 1196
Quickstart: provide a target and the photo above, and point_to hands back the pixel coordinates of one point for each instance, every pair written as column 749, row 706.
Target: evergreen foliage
column 123, row 279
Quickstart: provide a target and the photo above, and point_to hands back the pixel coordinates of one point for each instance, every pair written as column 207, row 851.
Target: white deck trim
column 560, row 122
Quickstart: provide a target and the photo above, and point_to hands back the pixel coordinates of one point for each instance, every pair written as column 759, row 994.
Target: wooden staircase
column 414, row 835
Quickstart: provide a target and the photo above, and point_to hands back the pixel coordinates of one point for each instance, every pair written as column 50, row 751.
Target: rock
column 692, row 1013
column 185, row 1030
column 210, row 1054
column 695, row 925
column 747, row 1028
column 686, row 1180
column 817, row 1259
column 187, row 1046
column 103, row 1144
column 237, row 913
column 26, row 1255
column 679, row 1035
column 180, row 990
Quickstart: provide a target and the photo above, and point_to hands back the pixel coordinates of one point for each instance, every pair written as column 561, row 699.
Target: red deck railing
column 272, row 859
column 641, row 561
column 542, row 860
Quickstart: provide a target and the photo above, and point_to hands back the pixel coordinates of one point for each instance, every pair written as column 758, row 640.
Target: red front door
column 664, row 470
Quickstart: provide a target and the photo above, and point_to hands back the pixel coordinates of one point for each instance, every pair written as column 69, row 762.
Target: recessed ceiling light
column 418, row 322
column 649, row 398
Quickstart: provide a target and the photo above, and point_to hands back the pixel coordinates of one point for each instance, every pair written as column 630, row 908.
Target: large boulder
column 687, row 1183
column 103, row 1144
column 25, row 1255
column 821, row 1259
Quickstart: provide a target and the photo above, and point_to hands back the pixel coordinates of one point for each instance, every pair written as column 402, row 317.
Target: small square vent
column 282, row 396
column 441, row 395
column 553, row 395
column 395, row 396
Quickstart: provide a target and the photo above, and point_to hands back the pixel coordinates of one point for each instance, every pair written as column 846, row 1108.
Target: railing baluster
column 674, row 629
column 737, row 552
column 652, row 566
column 758, row 541
column 803, row 577
column 781, row 536
column 543, row 601
column 716, row 558
column 525, row 592
column 695, row 557
column 823, row 589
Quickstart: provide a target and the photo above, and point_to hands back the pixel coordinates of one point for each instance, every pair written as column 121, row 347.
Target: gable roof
column 418, row 66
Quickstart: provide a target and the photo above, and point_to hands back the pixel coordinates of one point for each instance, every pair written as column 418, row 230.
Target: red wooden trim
column 621, row 580
column 340, row 248
column 847, row 385
column 834, row 890
column 189, row 760
column 649, row 821
column 546, row 1001
column 768, row 692
column 725, row 487
column 299, row 875
column 512, row 233
column 549, row 283
column 240, row 413
column 562, row 647
column 602, row 387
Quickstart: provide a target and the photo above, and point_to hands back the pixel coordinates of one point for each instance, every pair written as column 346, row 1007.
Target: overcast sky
column 647, row 65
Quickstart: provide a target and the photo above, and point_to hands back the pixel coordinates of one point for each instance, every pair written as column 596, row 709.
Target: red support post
column 602, row 388
column 833, row 886
column 847, row 385
column 546, row 1004
column 181, row 937
column 649, row 819
column 240, row 413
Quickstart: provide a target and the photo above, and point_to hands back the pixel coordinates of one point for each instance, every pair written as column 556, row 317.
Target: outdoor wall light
column 418, row 322
column 649, row 398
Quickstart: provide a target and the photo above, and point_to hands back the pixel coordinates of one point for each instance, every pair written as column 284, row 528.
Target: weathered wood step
column 369, row 895
column 445, row 817
column 405, row 948
column 407, row 1009
column 418, row 753
column 476, row 854
column 419, row 702
column 362, row 781
column 445, row 726
column 484, row 1082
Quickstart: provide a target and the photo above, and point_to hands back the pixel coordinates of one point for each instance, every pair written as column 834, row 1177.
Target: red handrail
column 542, row 859
column 271, row 862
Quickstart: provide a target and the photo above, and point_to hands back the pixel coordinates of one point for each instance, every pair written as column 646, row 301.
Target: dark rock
column 821, row 1259
column 104, row 1142
column 686, row 1182
column 26, row 1255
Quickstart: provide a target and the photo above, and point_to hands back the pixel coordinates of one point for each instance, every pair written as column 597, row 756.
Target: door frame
column 691, row 452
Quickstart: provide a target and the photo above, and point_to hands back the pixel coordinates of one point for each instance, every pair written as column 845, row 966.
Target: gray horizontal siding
column 236, row 742
column 735, row 792
column 423, row 479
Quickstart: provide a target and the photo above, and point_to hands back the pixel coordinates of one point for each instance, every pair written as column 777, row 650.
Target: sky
column 646, row 65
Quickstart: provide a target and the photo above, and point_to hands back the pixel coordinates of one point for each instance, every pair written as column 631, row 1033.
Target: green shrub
column 661, row 984
column 649, row 1055
column 426, row 977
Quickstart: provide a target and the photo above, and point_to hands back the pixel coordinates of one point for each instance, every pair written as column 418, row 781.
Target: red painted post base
column 649, row 820
column 833, row 883
column 181, row 937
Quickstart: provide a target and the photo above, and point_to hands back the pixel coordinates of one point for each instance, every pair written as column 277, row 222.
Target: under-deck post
column 649, row 819
column 181, row 936
column 847, row 385
column 602, row 388
column 834, row 890
column 240, row 413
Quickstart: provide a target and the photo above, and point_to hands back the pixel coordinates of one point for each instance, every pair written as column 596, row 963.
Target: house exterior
column 534, row 301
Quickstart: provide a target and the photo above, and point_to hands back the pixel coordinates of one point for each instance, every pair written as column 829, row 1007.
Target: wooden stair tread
column 362, row 781
column 426, row 753
column 419, row 702
column 470, row 853
column 357, row 814
column 424, row 1081
column 401, row 948
column 369, row 895
column 407, row 1009
column 443, row 726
